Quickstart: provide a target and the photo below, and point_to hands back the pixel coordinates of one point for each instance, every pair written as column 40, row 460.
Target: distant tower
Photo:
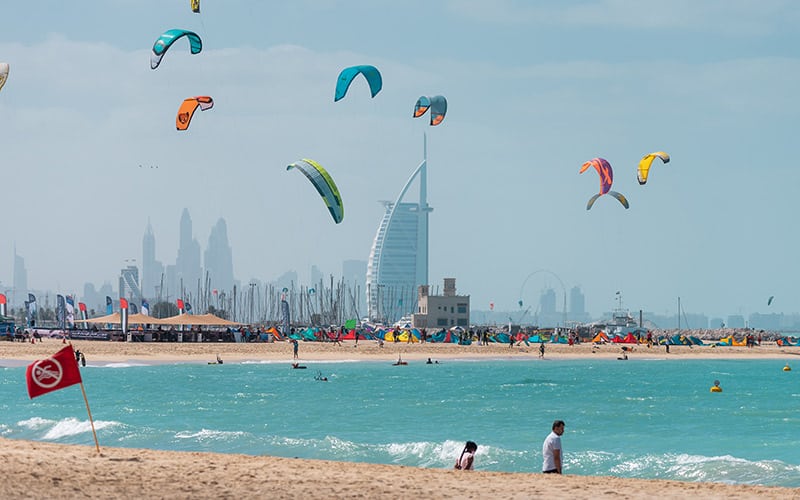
column 577, row 305
column 129, row 283
column 316, row 276
column 218, row 257
column 187, row 265
column 398, row 260
column 20, row 291
column 151, row 268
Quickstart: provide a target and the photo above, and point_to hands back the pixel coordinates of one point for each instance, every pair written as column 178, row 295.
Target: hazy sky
column 534, row 89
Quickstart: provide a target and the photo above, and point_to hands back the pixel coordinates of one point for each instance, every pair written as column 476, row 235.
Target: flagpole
column 91, row 420
column 89, row 411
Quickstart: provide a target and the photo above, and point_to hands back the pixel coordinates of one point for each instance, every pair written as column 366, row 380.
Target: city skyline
column 546, row 307
column 534, row 90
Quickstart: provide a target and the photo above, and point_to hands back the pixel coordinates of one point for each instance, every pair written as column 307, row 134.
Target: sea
column 640, row 418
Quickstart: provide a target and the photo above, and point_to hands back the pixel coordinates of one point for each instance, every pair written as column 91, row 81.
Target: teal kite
column 324, row 184
column 437, row 106
column 346, row 77
column 169, row 37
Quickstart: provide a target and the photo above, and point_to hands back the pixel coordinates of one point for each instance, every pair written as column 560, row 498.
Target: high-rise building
column 398, row 260
column 577, row 305
column 187, row 265
column 20, row 286
column 129, row 283
column 152, row 269
column 218, row 258
column 317, row 276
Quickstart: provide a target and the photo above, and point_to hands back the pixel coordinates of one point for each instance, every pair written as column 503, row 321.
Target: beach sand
column 46, row 470
column 368, row 350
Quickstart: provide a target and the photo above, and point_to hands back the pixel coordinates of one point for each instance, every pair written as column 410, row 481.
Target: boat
column 622, row 322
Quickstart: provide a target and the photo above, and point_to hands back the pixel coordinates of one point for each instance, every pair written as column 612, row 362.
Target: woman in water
column 467, row 458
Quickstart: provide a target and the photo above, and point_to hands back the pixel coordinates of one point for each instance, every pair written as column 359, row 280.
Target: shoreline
column 49, row 470
column 17, row 353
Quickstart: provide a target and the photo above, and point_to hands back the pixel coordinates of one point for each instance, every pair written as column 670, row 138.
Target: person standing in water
column 551, row 449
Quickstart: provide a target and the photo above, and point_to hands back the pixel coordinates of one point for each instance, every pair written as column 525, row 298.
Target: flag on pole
column 109, row 305
column 3, row 302
column 70, row 300
column 145, row 307
column 123, row 312
column 61, row 312
column 84, row 313
column 54, row 373
column 30, row 310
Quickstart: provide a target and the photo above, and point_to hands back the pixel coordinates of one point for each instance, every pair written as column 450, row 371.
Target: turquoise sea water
column 636, row 418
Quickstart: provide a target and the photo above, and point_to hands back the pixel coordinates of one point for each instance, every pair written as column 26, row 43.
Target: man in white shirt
column 551, row 449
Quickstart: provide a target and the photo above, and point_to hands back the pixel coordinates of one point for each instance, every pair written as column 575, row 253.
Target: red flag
column 180, row 304
column 123, row 303
column 53, row 373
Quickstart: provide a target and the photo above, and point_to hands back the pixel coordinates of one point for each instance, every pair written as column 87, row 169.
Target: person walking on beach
column 467, row 458
column 551, row 449
column 541, row 350
column 338, row 338
column 295, row 346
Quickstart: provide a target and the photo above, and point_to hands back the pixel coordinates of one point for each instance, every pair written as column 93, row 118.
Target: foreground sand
column 45, row 470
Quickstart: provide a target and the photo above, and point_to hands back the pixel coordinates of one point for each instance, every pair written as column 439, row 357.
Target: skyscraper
column 129, row 283
column 20, row 286
column 187, row 265
column 218, row 257
column 398, row 260
column 151, row 268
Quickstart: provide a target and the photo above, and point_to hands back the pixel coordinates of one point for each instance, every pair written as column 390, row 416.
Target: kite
column 769, row 301
column 606, row 179
column 188, row 107
column 195, row 6
column 166, row 40
column 437, row 106
column 3, row 74
column 371, row 74
column 324, row 184
column 646, row 161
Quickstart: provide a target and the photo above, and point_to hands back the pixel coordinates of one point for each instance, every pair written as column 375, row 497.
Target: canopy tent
column 181, row 319
column 197, row 319
column 143, row 319
column 113, row 319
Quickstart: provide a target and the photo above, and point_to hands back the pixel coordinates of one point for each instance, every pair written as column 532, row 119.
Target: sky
column 534, row 90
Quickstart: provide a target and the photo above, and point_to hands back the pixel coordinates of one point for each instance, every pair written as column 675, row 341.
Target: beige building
column 441, row 311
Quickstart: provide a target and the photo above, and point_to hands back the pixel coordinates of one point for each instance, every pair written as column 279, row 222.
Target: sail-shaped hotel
column 398, row 260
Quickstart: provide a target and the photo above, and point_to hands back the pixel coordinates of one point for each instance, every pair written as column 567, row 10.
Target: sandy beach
column 368, row 350
column 45, row 470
